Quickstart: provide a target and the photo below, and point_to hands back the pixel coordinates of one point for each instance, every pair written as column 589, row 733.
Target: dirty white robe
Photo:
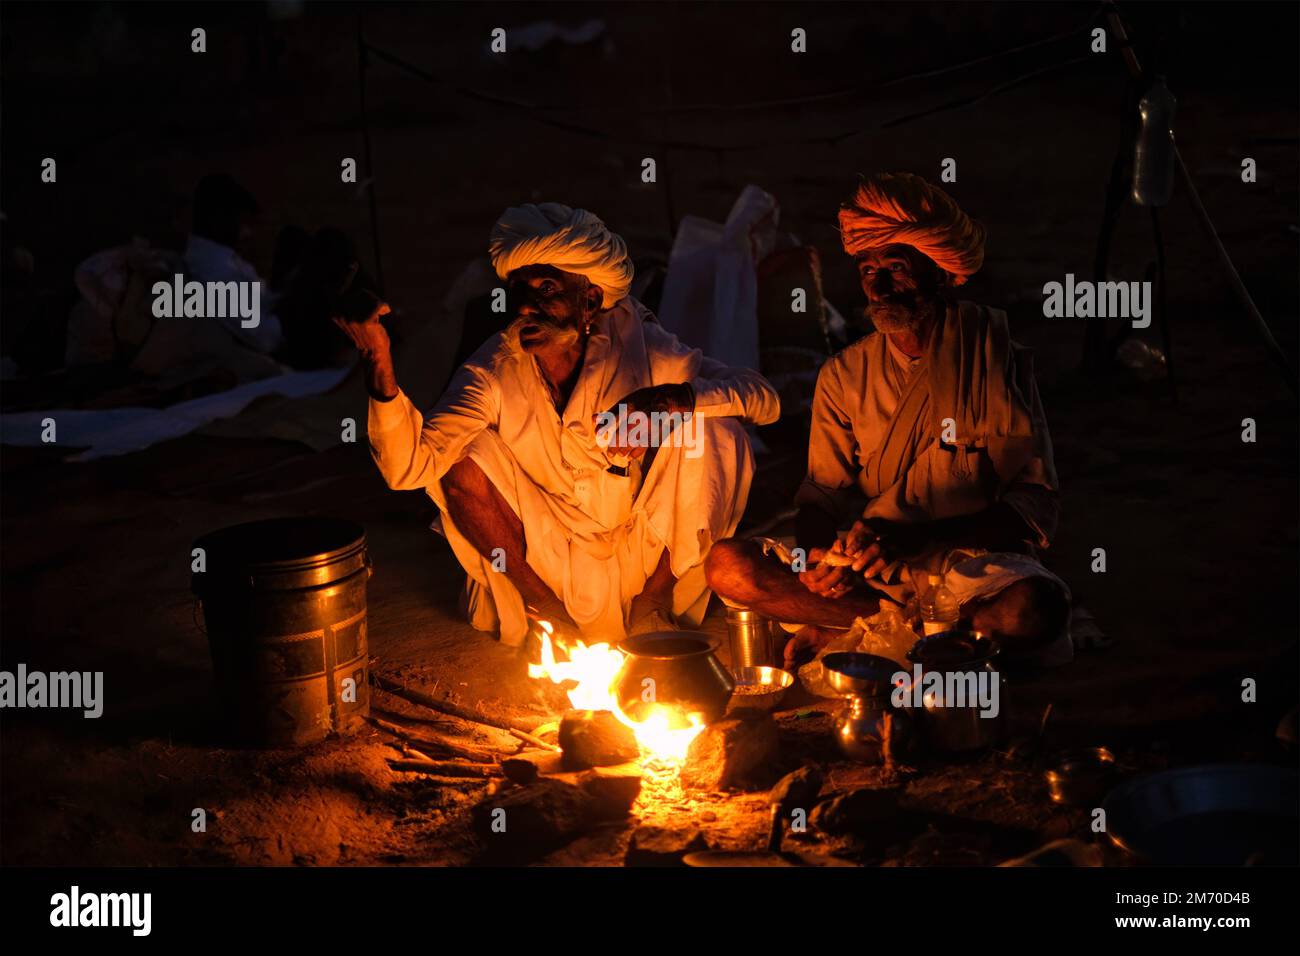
column 593, row 536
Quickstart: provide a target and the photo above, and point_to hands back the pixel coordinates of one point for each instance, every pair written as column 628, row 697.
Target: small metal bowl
column 1082, row 777
column 759, row 688
column 854, row 674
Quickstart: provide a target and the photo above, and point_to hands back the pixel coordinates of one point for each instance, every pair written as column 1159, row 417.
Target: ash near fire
column 652, row 435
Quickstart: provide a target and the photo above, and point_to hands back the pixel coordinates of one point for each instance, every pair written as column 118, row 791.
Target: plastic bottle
column 939, row 609
column 1153, row 160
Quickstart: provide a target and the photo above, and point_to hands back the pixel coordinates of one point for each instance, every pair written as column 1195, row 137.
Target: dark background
column 1200, row 529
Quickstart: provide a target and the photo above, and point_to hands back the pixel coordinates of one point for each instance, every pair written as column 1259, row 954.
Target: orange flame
column 592, row 669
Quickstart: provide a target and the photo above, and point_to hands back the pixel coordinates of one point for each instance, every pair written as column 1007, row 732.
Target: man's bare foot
column 649, row 619
column 807, row 642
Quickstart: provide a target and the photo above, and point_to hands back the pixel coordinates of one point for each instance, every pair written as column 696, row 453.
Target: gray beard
column 889, row 319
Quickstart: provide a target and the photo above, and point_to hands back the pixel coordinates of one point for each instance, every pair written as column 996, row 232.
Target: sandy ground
column 1200, row 530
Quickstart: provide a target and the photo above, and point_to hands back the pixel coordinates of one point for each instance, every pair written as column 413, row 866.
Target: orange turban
column 901, row 208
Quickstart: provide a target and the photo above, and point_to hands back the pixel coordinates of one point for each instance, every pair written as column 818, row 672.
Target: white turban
column 572, row 240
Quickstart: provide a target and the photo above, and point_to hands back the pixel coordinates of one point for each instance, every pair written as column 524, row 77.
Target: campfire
column 663, row 732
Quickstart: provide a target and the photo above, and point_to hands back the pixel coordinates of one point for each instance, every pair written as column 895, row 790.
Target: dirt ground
column 1200, row 529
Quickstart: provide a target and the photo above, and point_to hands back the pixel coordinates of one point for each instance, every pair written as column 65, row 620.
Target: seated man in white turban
column 555, row 515
column 935, row 422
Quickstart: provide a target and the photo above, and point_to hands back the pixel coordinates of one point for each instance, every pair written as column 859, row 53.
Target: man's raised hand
column 360, row 322
column 371, row 340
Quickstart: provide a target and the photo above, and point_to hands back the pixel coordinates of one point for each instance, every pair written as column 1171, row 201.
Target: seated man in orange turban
column 936, row 423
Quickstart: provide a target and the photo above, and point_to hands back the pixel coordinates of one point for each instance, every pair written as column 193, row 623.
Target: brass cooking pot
column 678, row 669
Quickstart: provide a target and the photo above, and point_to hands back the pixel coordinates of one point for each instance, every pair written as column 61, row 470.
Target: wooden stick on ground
column 429, row 739
column 530, row 739
column 416, row 766
column 446, row 768
column 447, row 707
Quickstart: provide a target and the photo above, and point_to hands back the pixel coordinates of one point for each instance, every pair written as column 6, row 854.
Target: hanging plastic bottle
column 1153, row 160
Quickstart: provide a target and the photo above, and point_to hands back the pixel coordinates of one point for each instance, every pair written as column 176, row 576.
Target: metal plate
column 1215, row 815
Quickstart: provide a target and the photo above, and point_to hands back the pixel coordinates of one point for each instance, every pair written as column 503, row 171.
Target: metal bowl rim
column 740, row 674
column 986, row 646
column 888, row 678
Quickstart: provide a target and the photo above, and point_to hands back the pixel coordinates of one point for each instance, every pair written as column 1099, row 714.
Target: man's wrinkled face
column 552, row 307
column 901, row 286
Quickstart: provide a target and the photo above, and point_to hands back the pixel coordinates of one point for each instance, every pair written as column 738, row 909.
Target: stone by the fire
column 795, row 790
column 519, row 771
column 731, row 753
column 527, row 767
column 661, row 846
column 595, row 738
column 530, row 821
column 527, row 822
column 857, row 811
column 614, row 789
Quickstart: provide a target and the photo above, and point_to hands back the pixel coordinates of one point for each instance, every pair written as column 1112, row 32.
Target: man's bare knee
column 728, row 569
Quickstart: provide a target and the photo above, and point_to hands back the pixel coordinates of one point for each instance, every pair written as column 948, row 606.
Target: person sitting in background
column 218, row 351
column 223, row 222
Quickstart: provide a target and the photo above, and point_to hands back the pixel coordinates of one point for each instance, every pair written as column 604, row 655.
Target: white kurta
column 858, row 395
column 593, row 536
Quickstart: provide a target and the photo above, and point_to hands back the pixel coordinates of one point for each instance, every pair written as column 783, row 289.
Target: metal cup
column 752, row 638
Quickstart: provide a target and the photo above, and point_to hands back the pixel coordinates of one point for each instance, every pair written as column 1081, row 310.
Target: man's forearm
column 381, row 377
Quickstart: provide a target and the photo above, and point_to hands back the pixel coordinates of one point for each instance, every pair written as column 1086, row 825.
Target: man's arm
column 718, row 390
column 413, row 453
column 832, row 475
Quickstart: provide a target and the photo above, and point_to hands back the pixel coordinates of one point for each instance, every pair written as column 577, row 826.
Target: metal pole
column 362, row 65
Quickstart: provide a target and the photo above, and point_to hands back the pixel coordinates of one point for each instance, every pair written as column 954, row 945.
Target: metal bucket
column 284, row 604
column 752, row 639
